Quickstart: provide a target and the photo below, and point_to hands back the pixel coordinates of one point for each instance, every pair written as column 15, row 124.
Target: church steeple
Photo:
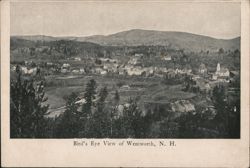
column 218, row 67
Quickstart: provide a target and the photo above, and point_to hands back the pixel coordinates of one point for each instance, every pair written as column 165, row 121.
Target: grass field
column 56, row 95
column 146, row 89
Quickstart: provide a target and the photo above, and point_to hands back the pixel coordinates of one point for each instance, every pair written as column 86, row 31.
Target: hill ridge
column 137, row 37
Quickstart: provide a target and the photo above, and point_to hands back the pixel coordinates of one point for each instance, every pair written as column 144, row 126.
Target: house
column 135, row 71
column 235, row 77
column 81, row 101
column 182, row 106
column 166, row 58
column 12, row 68
column 214, row 77
column 195, row 77
column 138, row 55
column 203, row 69
column 222, row 72
column 32, row 71
column 49, row 63
column 108, row 60
column 177, row 71
column 186, row 71
column 149, row 71
column 82, row 70
column 121, row 72
column 234, row 74
column 63, row 70
column 76, row 71
column 134, row 61
column 98, row 70
column 24, row 70
column 103, row 72
column 111, row 67
column 163, row 70
column 77, row 59
column 125, row 87
column 170, row 74
column 65, row 65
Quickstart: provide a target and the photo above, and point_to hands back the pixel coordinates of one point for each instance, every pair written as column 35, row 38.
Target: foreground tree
column 26, row 108
column 89, row 96
column 69, row 124
column 132, row 120
column 87, row 109
column 100, row 122
column 222, row 113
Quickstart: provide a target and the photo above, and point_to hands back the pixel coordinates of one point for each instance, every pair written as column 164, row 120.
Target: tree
column 114, row 112
column 26, row 108
column 102, row 97
column 132, row 120
column 168, row 129
column 234, row 120
column 100, row 122
column 222, row 114
column 236, row 58
column 221, row 52
column 89, row 96
column 86, row 112
column 68, row 126
column 116, row 97
column 32, row 51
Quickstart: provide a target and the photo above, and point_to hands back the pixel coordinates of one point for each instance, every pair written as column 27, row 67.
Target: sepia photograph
column 94, row 69
column 125, row 83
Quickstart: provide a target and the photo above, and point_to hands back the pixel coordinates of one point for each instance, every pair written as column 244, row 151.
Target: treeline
column 98, row 118
column 94, row 119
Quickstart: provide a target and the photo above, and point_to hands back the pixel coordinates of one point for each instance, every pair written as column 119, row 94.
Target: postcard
column 125, row 83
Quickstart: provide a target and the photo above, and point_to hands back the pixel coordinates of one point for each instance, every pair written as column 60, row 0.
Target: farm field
column 145, row 89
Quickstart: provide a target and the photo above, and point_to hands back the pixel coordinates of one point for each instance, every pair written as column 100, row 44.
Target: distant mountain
column 35, row 38
column 179, row 40
column 43, row 38
column 137, row 37
column 16, row 42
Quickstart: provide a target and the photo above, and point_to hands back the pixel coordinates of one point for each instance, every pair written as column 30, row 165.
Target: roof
column 235, row 72
column 202, row 66
column 223, row 70
column 182, row 106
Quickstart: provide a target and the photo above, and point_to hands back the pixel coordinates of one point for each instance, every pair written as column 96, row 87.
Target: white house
column 214, row 77
column 64, row 70
column 49, row 63
column 103, row 72
column 82, row 70
column 138, row 55
column 65, row 65
column 135, row 71
column 81, row 101
column 166, row 58
column 133, row 61
column 32, row 71
column 24, row 70
column 77, row 59
column 76, row 71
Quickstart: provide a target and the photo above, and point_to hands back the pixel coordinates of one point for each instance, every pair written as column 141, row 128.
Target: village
column 202, row 81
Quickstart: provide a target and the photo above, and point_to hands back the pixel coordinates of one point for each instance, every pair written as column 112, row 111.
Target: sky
column 85, row 18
